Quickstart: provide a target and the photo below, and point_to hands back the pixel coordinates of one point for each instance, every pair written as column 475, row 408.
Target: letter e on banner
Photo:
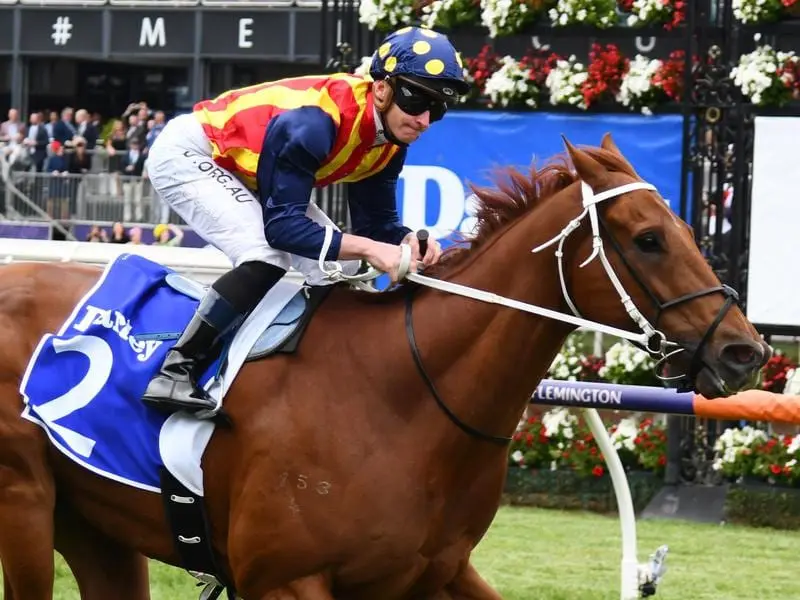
column 153, row 34
column 245, row 32
column 415, row 202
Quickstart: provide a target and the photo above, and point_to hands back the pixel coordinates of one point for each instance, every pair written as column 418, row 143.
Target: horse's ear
column 609, row 144
column 587, row 168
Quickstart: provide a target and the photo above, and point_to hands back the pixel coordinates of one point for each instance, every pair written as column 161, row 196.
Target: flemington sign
column 552, row 392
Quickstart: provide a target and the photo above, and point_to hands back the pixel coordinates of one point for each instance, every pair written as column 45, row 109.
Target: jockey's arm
column 373, row 204
column 296, row 144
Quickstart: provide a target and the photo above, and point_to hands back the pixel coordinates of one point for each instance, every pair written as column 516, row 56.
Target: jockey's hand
column 433, row 254
column 386, row 258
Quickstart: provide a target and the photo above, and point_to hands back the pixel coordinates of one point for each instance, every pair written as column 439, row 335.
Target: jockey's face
column 411, row 112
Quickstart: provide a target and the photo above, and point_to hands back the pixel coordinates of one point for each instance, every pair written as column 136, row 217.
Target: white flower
column 511, row 84
column 648, row 11
column 637, row 82
column 517, row 456
column 733, row 442
column 626, row 431
column 755, row 72
column 753, row 11
column 564, row 83
column 502, row 17
column 600, row 13
column 387, row 14
column 559, row 421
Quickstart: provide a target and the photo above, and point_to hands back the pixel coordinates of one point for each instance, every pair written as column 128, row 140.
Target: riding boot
column 224, row 307
column 175, row 386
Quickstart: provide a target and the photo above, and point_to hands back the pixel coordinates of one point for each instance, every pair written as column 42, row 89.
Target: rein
column 650, row 338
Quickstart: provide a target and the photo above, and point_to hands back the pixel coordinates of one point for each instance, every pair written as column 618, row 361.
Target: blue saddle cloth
column 83, row 385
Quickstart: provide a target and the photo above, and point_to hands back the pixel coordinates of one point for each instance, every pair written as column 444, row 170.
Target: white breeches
column 215, row 204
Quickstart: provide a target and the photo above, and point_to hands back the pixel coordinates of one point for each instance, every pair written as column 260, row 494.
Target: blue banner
column 465, row 146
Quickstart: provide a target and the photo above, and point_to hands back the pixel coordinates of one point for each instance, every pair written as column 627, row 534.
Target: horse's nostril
column 742, row 355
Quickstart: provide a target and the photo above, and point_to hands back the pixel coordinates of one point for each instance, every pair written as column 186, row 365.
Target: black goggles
column 415, row 101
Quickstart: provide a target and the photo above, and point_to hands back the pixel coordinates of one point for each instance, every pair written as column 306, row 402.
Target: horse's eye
column 648, row 242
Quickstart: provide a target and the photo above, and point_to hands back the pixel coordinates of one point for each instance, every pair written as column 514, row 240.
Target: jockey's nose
column 424, row 120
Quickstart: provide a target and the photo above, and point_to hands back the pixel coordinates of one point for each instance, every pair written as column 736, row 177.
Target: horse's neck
column 486, row 359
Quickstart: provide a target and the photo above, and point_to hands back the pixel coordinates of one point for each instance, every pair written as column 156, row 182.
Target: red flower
column 662, row 460
column 775, row 469
column 598, row 471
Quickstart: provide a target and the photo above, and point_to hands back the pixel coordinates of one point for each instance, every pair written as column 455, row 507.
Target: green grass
column 532, row 554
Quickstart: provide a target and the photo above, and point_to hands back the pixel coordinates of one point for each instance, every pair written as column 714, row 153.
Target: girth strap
column 191, row 531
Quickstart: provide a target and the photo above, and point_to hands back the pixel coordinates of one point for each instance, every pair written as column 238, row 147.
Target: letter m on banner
column 152, row 34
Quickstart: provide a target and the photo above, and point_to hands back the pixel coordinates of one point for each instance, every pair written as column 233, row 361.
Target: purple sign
column 27, row 231
column 641, row 398
column 190, row 238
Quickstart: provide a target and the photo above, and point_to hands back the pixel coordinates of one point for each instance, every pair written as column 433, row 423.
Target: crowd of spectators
column 55, row 150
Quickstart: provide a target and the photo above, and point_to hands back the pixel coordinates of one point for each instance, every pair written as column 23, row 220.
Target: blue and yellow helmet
column 425, row 57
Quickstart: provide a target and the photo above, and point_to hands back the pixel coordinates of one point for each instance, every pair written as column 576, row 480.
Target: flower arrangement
column 627, row 364
column 607, row 65
column 385, row 15
column 748, row 452
column 504, row 17
column 775, row 374
column 572, row 364
column 479, row 69
column 559, row 440
column 649, row 82
column 447, row 14
column 761, row 11
column 597, row 13
column 565, row 82
column 670, row 13
column 767, row 77
column 512, row 85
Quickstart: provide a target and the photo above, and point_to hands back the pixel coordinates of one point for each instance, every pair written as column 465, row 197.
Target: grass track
column 532, row 554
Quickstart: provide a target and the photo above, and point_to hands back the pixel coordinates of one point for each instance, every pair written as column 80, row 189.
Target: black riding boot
column 175, row 386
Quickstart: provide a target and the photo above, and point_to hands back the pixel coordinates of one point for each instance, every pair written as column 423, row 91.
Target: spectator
column 79, row 162
column 37, row 141
column 9, row 129
column 135, row 235
column 136, row 131
column 17, row 153
column 57, row 190
column 51, row 125
column 116, row 145
column 118, row 235
column 158, row 126
column 162, row 234
column 64, row 130
column 131, row 167
column 97, row 234
column 86, row 129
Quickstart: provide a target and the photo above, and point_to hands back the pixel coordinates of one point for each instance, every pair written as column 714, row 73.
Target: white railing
column 203, row 264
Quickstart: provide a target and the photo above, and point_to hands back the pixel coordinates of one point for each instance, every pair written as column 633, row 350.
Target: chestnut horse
column 344, row 474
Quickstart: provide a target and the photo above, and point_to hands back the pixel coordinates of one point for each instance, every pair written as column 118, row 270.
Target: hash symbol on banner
column 62, row 31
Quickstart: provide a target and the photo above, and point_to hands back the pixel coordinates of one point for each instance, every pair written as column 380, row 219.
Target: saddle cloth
column 83, row 385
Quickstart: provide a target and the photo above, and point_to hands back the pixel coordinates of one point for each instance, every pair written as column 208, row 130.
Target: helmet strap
column 383, row 106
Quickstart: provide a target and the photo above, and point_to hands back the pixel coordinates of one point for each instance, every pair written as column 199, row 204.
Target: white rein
column 334, row 272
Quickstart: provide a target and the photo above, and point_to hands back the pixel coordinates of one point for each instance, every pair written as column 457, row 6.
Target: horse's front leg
column 469, row 585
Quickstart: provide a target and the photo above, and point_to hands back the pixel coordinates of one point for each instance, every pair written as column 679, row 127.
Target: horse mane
column 515, row 194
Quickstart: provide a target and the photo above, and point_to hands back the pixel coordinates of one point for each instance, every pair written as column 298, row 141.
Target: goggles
column 415, row 101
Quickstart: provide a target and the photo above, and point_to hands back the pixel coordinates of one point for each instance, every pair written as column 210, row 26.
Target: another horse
column 341, row 476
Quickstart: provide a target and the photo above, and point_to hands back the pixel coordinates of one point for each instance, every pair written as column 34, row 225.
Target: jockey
column 240, row 170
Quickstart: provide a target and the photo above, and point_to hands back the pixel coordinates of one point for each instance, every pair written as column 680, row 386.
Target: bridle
column 650, row 339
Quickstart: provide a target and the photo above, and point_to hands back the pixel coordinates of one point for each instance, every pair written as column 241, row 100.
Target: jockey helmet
column 423, row 58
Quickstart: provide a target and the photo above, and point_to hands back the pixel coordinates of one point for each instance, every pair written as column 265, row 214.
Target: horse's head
column 653, row 257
